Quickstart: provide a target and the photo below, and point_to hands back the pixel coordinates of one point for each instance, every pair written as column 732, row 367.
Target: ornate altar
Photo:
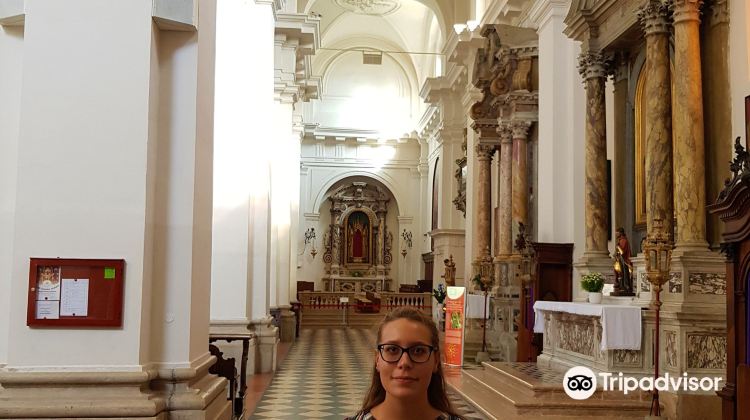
column 358, row 244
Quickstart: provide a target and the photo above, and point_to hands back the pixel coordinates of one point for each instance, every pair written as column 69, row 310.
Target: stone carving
column 594, row 65
column 707, row 351
column 627, row 357
column 675, row 282
column 461, row 174
column 484, row 74
column 671, row 348
column 577, row 337
column 369, row 7
column 643, row 280
column 707, row 283
column 522, row 75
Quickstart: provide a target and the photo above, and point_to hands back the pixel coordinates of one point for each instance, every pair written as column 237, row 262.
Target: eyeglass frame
column 406, row 350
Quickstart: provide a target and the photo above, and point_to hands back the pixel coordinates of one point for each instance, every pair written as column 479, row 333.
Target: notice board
column 65, row 292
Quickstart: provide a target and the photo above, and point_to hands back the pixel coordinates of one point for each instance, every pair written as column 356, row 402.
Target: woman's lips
column 404, row 379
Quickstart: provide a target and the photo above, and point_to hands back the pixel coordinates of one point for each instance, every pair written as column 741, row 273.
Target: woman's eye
column 392, row 349
column 419, row 350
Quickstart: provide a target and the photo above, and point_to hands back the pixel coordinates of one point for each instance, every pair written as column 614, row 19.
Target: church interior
column 232, row 194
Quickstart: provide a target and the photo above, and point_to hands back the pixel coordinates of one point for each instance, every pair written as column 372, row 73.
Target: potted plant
column 593, row 283
column 439, row 294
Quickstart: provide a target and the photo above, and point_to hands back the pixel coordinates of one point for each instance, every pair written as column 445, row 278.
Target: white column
column 559, row 83
column 11, row 49
column 122, row 170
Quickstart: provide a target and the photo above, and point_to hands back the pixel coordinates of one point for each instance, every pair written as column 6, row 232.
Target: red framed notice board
column 75, row 293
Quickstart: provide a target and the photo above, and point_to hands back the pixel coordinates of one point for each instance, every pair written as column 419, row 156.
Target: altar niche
column 358, row 244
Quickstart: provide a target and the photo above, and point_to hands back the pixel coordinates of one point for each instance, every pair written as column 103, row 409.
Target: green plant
column 439, row 293
column 592, row 282
column 477, row 280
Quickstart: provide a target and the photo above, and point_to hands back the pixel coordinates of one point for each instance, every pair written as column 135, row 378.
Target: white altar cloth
column 475, row 306
column 621, row 325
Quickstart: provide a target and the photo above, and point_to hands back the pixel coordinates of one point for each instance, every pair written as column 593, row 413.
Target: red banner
column 455, row 306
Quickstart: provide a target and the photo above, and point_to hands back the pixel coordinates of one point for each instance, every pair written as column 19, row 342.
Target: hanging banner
column 455, row 309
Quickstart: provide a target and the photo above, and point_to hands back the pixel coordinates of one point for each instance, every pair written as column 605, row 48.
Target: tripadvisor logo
column 580, row 382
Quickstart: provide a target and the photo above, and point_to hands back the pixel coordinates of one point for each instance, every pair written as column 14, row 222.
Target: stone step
column 499, row 394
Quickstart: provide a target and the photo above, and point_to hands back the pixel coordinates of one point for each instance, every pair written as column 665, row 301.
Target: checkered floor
column 325, row 376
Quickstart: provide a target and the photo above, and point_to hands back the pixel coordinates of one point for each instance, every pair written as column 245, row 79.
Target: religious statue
column 623, row 266
column 450, row 271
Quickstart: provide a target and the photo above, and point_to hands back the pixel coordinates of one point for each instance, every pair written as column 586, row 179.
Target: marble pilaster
column 689, row 153
column 659, row 202
column 505, row 185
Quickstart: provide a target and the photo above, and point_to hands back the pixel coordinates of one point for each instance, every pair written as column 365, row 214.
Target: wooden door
column 743, row 390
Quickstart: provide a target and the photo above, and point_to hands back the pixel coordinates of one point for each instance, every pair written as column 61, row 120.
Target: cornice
column 503, row 12
column 171, row 15
column 541, row 11
column 12, row 12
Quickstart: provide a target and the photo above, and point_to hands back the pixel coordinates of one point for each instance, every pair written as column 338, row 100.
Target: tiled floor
column 325, row 376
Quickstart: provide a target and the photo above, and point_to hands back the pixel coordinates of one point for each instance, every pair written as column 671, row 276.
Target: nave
column 325, row 376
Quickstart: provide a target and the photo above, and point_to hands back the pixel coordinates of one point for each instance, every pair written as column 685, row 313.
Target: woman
column 407, row 378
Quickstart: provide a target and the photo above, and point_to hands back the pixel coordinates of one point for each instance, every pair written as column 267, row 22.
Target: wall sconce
column 310, row 237
column 406, row 235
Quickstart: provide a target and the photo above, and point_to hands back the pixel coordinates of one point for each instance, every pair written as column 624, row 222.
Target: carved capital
column 686, row 10
column 486, row 128
column 520, row 129
column 484, row 151
column 654, row 16
column 717, row 12
column 594, row 65
column 506, row 133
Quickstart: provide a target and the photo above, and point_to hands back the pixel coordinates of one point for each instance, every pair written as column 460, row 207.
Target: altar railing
column 389, row 300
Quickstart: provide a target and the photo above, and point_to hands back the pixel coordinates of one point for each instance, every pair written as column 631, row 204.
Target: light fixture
column 658, row 261
column 310, row 237
column 406, row 235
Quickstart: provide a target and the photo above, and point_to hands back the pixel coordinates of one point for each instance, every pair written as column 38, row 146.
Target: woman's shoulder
column 362, row 415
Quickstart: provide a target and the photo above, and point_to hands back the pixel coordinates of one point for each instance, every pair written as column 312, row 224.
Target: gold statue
column 450, row 271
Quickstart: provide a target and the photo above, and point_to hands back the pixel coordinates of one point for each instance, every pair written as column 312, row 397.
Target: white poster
column 48, row 309
column 75, row 297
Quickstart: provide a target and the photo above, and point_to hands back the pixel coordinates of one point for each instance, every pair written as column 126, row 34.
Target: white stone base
column 268, row 339
column 288, row 329
column 153, row 393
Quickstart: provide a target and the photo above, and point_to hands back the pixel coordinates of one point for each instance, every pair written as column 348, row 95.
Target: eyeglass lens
column 392, row 353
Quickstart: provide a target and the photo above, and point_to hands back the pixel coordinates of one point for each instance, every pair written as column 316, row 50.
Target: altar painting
column 358, row 238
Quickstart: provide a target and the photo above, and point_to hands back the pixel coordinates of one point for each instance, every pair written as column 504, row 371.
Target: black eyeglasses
column 392, row 353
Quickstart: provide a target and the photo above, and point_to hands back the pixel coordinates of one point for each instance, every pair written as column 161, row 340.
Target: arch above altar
column 358, row 245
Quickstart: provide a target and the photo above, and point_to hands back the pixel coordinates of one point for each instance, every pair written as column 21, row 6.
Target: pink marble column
column 505, row 190
column 659, row 201
column 689, row 152
column 593, row 66
column 483, row 222
column 520, row 187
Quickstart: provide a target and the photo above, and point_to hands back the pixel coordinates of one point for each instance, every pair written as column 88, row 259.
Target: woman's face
column 405, row 378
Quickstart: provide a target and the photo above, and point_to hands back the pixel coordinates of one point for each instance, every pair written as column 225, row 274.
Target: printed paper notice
column 75, row 297
column 48, row 309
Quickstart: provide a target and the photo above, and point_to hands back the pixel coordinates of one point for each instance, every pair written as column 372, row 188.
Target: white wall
column 739, row 63
column 11, row 49
column 394, row 165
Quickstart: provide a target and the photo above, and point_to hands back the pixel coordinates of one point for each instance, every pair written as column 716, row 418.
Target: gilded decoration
column 670, row 339
column 707, row 283
column 707, row 351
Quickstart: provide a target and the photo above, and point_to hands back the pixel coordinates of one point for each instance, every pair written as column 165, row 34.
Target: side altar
column 358, row 244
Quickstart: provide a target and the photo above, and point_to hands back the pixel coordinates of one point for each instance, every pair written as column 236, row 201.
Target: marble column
column 659, row 205
column 505, row 182
column 483, row 211
column 689, row 156
column 520, row 187
column 593, row 68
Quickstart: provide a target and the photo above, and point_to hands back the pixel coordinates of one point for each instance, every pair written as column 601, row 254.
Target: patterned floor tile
column 325, row 376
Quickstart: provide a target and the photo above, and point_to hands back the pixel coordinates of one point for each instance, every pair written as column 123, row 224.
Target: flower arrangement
column 477, row 280
column 439, row 293
column 592, row 282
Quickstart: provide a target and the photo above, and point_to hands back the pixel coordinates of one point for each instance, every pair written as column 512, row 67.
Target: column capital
column 594, row 64
column 717, row 12
column 485, row 151
column 654, row 16
column 486, row 128
column 686, row 10
column 520, row 129
column 506, row 133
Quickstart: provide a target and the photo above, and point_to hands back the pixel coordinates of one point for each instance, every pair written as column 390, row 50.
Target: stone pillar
column 505, row 189
column 658, row 115
column 689, row 156
column 483, row 210
column 100, row 176
column 593, row 66
column 520, row 183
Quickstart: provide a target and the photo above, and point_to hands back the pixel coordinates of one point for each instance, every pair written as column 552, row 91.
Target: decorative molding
column 541, row 11
column 175, row 15
column 593, row 65
column 706, row 351
column 675, row 282
column 12, row 12
column 707, row 283
column 654, row 17
column 717, row 12
column 670, row 338
column 686, row 10
column 369, row 7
